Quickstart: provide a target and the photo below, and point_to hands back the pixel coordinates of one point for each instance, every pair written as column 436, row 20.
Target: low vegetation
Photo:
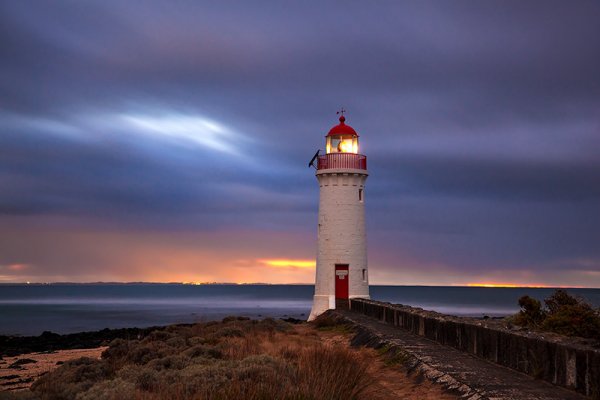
column 562, row 313
column 233, row 359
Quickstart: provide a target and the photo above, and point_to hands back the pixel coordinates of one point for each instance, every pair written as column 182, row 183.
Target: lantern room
column 342, row 138
column 341, row 149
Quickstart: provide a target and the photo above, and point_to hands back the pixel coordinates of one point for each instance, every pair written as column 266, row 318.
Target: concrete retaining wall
column 553, row 358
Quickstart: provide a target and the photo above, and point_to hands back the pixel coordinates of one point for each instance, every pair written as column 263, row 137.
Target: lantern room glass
column 342, row 144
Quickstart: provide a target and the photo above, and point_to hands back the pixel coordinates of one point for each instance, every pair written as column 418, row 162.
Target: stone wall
column 567, row 362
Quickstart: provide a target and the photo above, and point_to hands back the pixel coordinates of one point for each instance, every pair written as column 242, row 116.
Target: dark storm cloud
column 511, row 180
column 480, row 120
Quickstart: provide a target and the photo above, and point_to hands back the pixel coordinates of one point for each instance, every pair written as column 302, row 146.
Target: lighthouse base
column 321, row 303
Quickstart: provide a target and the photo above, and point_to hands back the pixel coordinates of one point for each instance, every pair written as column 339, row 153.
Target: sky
column 169, row 141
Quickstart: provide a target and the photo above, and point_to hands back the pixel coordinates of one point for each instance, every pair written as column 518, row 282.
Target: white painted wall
column 342, row 237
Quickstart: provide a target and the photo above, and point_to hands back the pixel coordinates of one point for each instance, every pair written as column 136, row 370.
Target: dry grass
column 233, row 359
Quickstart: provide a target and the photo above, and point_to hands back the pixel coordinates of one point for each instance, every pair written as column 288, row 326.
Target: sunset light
column 506, row 285
column 284, row 263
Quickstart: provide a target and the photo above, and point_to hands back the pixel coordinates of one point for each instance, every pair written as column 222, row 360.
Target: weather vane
column 342, row 111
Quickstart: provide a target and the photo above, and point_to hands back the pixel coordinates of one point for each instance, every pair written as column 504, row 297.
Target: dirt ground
column 390, row 380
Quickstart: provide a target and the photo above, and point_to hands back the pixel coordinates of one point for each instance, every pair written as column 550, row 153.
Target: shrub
column 118, row 348
column 71, row 378
column 272, row 325
column 161, row 336
column 531, row 313
column 147, row 379
column 564, row 314
column 203, row 351
column 173, row 362
column 109, row 390
column 571, row 316
column 176, row 342
column 574, row 320
column 228, row 331
column 561, row 298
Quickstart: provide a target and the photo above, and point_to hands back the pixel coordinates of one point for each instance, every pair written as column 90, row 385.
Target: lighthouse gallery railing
column 342, row 160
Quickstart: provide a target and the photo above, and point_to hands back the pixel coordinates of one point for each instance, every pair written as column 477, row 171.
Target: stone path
column 460, row 372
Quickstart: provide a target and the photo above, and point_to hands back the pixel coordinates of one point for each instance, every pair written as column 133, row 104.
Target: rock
column 17, row 364
column 293, row 320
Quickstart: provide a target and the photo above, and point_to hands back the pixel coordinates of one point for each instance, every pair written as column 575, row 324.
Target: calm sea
column 32, row 309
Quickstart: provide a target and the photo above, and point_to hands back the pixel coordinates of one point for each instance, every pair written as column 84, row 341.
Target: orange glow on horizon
column 507, row 285
column 286, row 263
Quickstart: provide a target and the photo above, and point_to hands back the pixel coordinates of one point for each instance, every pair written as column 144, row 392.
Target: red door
column 341, row 284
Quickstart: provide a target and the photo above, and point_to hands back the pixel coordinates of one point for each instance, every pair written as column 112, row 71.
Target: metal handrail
column 342, row 160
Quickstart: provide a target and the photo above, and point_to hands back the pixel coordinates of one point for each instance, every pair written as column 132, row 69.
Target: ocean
column 68, row 308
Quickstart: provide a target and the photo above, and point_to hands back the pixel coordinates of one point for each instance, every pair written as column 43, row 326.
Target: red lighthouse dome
column 342, row 129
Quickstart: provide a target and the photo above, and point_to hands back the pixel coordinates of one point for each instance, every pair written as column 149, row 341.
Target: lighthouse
column 341, row 272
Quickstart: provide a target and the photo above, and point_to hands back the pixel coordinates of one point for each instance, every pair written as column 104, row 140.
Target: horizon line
column 466, row 285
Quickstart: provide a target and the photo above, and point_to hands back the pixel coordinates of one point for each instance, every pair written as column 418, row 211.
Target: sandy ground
column 391, row 381
column 22, row 376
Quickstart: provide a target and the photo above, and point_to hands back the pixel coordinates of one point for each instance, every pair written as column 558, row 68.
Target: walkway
column 471, row 377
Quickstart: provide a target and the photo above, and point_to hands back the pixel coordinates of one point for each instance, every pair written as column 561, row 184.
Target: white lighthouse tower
column 342, row 240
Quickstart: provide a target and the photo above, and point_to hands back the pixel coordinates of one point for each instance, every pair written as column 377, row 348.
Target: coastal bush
column 563, row 314
column 559, row 299
column 160, row 336
column 201, row 350
column 144, row 378
column 531, row 313
column 172, row 362
column 273, row 325
column 176, row 342
column 228, row 331
column 234, row 359
column 108, row 390
column 574, row 320
column 71, row 378
column 193, row 340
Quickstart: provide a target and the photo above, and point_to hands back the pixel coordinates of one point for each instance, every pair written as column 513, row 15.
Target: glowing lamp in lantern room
column 342, row 138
